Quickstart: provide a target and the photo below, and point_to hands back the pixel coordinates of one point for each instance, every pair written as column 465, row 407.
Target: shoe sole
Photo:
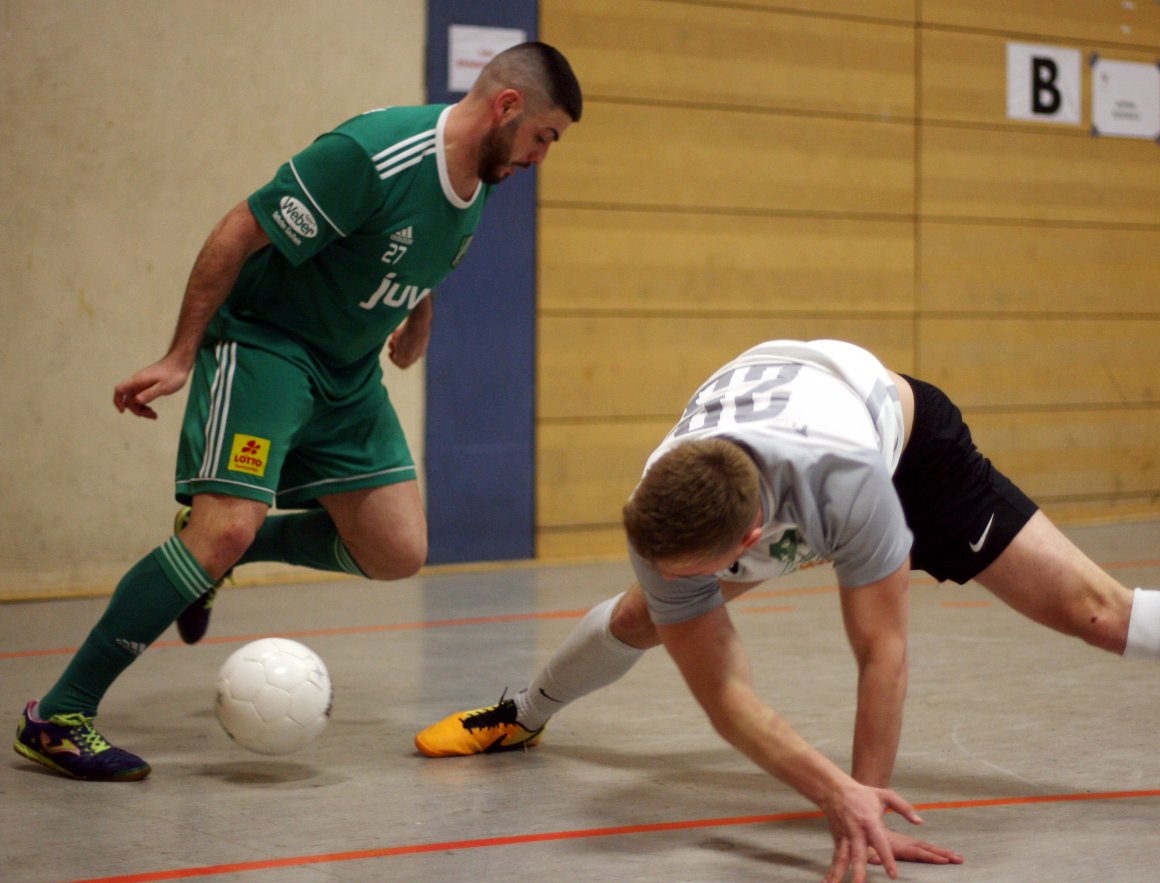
column 494, row 748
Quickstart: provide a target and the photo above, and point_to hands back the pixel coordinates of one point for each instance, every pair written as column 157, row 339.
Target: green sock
column 147, row 600
column 308, row 539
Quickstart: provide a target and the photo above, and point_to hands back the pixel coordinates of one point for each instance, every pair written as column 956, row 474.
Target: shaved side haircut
column 540, row 72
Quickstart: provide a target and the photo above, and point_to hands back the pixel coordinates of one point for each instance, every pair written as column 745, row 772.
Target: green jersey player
column 289, row 306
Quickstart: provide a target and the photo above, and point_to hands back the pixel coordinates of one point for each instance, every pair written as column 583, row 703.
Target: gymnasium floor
column 1033, row 755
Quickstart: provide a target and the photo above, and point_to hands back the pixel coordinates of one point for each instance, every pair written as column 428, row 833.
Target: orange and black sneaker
column 68, row 744
column 480, row 731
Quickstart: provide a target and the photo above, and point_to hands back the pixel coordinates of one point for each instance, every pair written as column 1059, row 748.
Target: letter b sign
column 1043, row 83
column 1045, row 96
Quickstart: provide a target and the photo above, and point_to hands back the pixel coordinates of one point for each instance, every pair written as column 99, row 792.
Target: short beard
column 495, row 151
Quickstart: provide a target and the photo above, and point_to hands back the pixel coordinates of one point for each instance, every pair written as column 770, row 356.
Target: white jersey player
column 824, row 422
column 793, row 453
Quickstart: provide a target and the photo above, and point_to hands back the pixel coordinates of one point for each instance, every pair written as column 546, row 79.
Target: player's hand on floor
column 856, row 824
column 911, row 849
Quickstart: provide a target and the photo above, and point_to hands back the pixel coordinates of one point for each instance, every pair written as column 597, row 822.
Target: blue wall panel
column 480, row 443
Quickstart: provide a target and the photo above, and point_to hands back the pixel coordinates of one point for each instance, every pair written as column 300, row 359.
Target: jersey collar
column 441, row 162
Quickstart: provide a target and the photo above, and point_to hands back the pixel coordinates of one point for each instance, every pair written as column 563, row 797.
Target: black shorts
column 962, row 511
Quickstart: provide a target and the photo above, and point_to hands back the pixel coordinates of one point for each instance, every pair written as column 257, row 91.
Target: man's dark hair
column 540, row 72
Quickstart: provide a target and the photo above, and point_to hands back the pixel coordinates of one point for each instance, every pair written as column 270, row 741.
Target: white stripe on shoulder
column 399, row 145
column 395, row 158
column 395, row 169
column 313, row 201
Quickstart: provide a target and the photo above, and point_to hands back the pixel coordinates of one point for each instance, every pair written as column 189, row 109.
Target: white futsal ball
column 273, row 696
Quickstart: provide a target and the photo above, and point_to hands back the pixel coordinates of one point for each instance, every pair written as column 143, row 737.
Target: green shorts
column 257, row 426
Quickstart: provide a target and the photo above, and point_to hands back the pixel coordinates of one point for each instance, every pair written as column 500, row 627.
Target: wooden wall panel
column 979, row 173
column 1073, row 455
column 964, row 78
column 1038, row 269
column 1069, row 461
column 693, row 157
column 691, row 54
column 591, row 468
column 1102, row 21
column 1097, row 509
column 648, row 262
column 582, row 541
column 811, row 168
column 899, row 10
column 599, row 367
column 1052, row 361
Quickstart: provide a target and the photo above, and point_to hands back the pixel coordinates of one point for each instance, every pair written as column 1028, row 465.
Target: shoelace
column 503, row 712
column 83, row 732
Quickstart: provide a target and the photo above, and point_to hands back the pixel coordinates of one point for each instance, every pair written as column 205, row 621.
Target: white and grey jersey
column 823, row 421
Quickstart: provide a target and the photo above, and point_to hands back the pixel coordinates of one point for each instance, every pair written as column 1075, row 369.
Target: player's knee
column 1102, row 620
column 227, row 545
column 632, row 624
column 400, row 562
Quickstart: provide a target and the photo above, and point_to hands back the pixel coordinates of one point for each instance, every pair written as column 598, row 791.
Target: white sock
column 591, row 657
column 1144, row 625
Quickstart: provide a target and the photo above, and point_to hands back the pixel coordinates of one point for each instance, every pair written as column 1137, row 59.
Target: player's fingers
column 141, row 409
column 921, row 856
column 896, row 802
column 937, row 855
column 122, row 395
column 858, row 849
column 154, row 390
column 839, row 863
column 127, row 401
column 885, row 854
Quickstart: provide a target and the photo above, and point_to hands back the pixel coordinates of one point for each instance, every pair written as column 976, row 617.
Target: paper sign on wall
column 1125, row 99
column 470, row 47
column 1043, row 83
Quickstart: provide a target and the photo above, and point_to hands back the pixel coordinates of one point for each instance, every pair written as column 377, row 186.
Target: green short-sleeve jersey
column 364, row 224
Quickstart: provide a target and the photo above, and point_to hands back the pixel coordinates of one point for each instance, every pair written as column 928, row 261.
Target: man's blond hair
column 697, row 501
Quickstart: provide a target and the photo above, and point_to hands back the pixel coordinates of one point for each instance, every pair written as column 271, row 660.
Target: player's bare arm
column 875, row 616
column 709, row 654
column 409, row 341
column 235, row 238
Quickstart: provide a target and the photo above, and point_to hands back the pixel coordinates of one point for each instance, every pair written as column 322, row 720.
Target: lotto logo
column 249, row 454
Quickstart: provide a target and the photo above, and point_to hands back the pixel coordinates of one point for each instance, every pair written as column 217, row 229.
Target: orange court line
column 343, row 630
column 507, row 617
column 965, row 604
column 555, row 836
column 1124, row 565
column 781, row 593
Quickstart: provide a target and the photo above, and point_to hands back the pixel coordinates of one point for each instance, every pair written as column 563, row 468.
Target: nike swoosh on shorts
column 976, row 546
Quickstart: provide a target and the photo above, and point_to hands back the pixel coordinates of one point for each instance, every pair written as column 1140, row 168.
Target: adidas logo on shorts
column 406, row 236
